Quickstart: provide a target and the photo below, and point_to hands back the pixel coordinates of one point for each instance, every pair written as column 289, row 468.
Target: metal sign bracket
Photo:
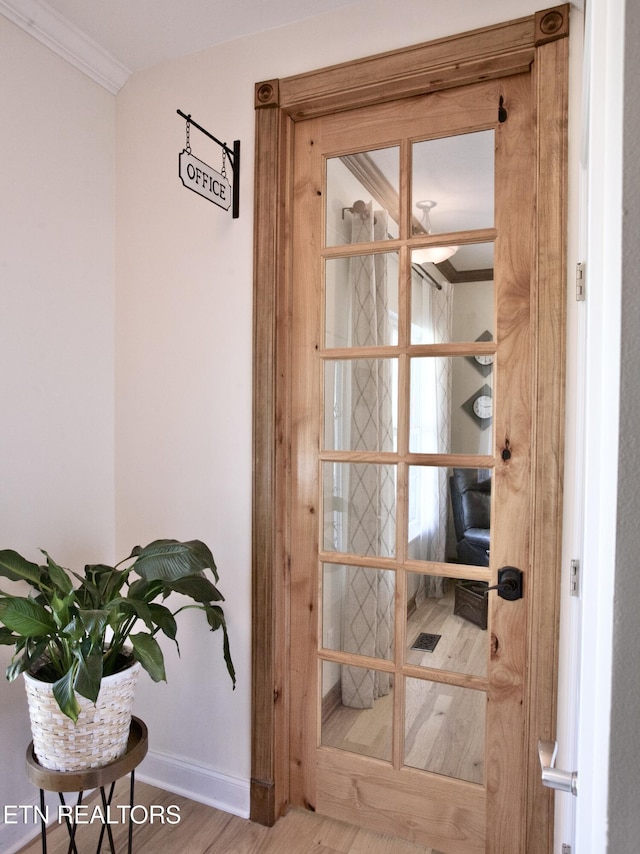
column 233, row 154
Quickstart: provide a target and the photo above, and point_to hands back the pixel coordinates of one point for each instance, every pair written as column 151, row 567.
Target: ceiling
column 110, row 39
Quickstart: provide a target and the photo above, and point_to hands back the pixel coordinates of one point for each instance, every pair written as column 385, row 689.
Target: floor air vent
column 426, row 642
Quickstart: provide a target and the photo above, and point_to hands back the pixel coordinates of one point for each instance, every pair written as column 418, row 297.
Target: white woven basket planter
column 102, row 730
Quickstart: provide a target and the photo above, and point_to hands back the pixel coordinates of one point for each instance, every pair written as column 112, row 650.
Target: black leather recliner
column 471, row 504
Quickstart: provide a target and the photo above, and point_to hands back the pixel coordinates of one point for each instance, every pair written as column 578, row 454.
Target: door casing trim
column 538, row 42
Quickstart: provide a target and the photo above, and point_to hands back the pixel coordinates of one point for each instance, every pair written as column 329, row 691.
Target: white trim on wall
column 604, row 46
column 196, row 782
column 573, row 531
column 13, row 837
column 61, row 36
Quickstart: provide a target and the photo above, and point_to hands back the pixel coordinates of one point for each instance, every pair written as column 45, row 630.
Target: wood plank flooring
column 203, row 830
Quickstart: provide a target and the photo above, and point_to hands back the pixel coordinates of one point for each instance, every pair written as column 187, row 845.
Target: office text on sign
column 202, row 179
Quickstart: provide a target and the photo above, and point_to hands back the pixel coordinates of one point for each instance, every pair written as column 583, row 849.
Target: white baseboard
column 196, row 782
column 15, row 834
column 171, row 773
column 12, row 839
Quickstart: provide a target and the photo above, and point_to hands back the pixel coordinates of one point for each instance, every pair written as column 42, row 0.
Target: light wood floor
column 203, row 829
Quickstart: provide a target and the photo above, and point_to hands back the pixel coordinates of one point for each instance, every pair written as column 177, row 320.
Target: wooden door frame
column 538, row 42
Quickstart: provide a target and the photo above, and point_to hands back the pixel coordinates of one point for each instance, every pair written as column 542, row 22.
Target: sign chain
column 202, row 179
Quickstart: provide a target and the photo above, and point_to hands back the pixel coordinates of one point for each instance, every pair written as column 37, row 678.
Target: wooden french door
column 401, row 465
column 412, row 399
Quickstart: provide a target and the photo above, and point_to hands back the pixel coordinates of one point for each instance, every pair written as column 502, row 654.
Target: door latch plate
column 509, row 584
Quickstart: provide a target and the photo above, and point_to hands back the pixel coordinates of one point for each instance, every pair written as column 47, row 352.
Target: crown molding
column 61, row 36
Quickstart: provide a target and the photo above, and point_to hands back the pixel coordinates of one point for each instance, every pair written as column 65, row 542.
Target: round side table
column 91, row 778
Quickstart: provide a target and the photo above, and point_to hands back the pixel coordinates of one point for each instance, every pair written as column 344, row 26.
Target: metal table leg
column 43, row 824
column 131, row 796
column 72, row 825
column 105, row 824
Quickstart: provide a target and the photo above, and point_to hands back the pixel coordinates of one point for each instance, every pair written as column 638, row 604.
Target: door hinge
column 574, row 578
column 566, row 849
column 580, row 282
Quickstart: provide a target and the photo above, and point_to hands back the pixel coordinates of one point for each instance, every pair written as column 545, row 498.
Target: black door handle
column 509, row 584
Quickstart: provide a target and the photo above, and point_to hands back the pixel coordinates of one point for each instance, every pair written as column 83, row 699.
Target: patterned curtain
column 368, row 602
column 436, row 388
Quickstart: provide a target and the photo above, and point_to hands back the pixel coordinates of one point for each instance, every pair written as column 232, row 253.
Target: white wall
column 184, row 335
column 57, row 182
column 603, row 161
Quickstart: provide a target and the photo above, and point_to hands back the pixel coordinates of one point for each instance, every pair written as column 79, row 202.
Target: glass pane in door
column 357, row 710
column 360, row 405
column 447, row 624
column 451, row 406
column 361, row 300
column 444, row 729
column 452, row 300
column 359, row 508
column 452, row 184
column 362, row 201
column 449, row 515
column 358, row 610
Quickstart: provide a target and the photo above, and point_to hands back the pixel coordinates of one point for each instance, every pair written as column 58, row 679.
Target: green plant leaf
column 215, row 618
column 147, row 651
column 226, row 648
column 164, row 619
column 25, row 659
column 170, row 559
column 74, row 630
column 107, row 580
column 204, row 555
column 26, row 617
column 145, row 590
column 132, row 607
column 94, row 622
column 197, row 587
column 60, row 608
column 87, row 594
column 116, row 582
column 65, row 695
column 15, row 567
column 58, row 575
column 7, row 637
column 18, row 665
column 89, row 675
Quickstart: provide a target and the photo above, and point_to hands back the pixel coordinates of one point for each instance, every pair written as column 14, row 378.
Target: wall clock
column 480, row 407
column 483, row 363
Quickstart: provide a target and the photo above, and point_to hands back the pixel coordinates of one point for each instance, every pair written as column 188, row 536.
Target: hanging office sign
column 204, row 180
column 196, row 175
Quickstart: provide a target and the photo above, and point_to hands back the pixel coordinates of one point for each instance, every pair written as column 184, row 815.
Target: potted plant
column 76, row 637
